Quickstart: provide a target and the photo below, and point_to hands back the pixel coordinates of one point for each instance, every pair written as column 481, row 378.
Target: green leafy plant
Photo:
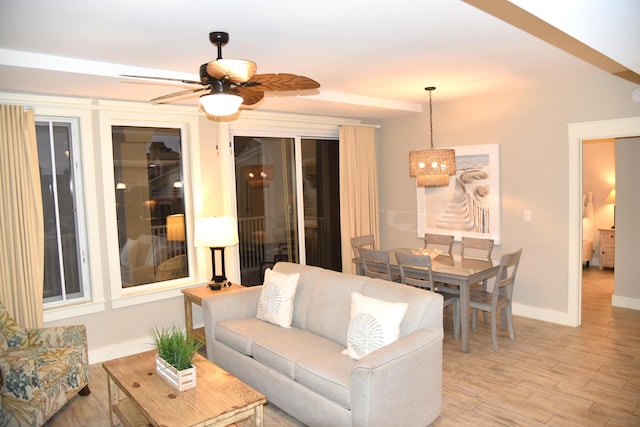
column 175, row 347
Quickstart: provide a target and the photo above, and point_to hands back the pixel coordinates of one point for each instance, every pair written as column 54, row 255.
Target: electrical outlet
column 527, row 216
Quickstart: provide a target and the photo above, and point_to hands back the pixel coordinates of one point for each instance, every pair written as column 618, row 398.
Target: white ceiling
column 372, row 58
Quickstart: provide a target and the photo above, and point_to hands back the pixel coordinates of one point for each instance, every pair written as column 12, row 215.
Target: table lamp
column 611, row 200
column 217, row 233
column 175, row 228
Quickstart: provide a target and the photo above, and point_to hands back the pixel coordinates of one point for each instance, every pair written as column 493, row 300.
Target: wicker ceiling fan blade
column 167, row 79
column 182, row 92
column 234, row 70
column 249, row 97
column 280, row 82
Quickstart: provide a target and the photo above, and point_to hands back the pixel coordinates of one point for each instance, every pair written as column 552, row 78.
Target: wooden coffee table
column 219, row 399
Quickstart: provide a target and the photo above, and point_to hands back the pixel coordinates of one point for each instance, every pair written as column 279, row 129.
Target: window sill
column 132, row 296
column 73, row 310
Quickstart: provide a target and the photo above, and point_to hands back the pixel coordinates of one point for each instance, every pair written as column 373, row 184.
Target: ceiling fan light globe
column 220, row 104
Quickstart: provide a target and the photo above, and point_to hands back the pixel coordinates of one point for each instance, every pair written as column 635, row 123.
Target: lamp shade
column 433, row 161
column 432, row 180
column 611, row 198
column 432, row 167
column 216, row 232
column 220, row 104
column 175, row 227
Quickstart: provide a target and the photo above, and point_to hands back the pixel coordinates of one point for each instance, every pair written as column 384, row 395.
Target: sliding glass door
column 287, row 194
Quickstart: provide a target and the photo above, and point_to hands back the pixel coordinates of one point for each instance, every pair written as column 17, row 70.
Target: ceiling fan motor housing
column 205, row 78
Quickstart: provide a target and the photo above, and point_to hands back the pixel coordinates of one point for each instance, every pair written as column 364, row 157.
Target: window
column 150, row 205
column 65, row 246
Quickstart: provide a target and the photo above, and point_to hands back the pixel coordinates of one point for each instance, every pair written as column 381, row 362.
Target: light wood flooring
column 551, row 375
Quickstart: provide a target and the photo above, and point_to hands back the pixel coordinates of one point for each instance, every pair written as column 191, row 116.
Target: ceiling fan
column 232, row 82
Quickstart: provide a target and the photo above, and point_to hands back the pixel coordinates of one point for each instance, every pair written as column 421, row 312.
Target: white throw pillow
column 374, row 324
column 276, row 298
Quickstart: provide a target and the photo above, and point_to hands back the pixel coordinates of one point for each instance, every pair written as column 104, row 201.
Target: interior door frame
column 579, row 132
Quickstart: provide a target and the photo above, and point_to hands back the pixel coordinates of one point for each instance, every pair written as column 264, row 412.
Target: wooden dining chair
column 367, row 241
column 478, row 248
column 444, row 242
column 499, row 299
column 415, row 270
column 375, row 264
column 473, row 248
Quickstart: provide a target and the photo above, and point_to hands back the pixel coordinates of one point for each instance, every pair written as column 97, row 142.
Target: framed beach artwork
column 470, row 204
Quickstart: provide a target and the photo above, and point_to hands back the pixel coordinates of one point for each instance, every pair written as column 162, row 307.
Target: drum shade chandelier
column 432, row 167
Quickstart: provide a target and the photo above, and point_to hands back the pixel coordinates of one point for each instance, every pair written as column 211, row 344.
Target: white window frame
column 80, row 216
column 93, row 300
column 188, row 125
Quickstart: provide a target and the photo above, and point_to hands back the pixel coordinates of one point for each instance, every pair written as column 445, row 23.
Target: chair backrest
column 473, row 247
column 506, row 275
column 444, row 242
column 375, row 263
column 413, row 269
column 358, row 242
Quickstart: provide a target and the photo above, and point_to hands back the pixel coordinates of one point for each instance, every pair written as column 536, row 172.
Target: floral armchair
column 40, row 370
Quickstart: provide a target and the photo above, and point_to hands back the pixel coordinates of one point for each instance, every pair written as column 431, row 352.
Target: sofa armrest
column 238, row 304
column 400, row 384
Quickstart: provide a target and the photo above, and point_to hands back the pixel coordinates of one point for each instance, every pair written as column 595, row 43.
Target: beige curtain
column 21, row 217
column 358, row 188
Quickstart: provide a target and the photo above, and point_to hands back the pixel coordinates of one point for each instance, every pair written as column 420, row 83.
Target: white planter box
column 180, row 380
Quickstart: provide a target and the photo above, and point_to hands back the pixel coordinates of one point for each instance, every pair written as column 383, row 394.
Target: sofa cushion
column 330, row 310
column 374, row 324
column 241, row 333
column 276, row 298
column 306, row 282
column 328, row 375
column 282, row 351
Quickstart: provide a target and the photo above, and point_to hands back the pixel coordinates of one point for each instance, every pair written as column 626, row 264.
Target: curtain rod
column 359, row 124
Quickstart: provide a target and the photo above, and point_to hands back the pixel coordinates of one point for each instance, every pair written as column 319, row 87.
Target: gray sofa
column 302, row 369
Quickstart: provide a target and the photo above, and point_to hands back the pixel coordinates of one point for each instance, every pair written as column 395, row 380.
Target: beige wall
column 531, row 128
column 627, row 274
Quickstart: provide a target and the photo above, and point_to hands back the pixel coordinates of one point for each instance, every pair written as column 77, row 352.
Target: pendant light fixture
column 432, row 167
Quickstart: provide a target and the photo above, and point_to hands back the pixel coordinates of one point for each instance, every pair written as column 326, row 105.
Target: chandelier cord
column 430, row 88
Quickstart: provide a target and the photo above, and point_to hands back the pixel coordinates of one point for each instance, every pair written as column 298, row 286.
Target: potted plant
column 174, row 361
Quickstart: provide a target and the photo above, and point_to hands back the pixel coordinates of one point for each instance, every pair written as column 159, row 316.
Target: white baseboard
column 546, row 315
column 122, row 349
column 625, row 302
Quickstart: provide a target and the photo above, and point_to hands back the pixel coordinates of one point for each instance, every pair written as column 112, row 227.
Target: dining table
column 454, row 271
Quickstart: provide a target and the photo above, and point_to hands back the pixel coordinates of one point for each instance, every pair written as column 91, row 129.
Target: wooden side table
column 194, row 296
column 607, row 247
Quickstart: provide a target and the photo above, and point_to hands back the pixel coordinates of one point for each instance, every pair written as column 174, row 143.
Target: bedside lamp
column 611, row 199
column 217, row 233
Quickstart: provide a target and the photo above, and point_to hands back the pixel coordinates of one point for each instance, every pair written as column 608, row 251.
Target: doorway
column 579, row 132
column 598, row 234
